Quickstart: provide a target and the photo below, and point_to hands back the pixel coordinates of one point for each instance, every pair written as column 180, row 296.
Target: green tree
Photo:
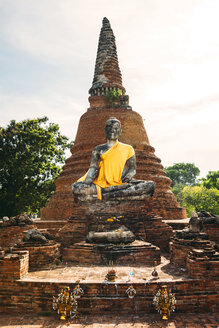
column 177, row 189
column 199, row 198
column 31, row 153
column 183, row 173
column 211, row 180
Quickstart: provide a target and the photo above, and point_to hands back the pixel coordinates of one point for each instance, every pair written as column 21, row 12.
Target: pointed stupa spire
column 107, row 73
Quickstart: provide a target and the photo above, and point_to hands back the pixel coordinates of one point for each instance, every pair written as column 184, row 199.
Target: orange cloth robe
column 111, row 165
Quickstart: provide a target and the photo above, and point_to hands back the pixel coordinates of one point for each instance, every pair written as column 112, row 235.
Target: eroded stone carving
column 199, row 219
column 34, row 235
column 118, row 236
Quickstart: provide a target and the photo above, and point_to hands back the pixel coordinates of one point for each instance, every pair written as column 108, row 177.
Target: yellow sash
column 111, row 165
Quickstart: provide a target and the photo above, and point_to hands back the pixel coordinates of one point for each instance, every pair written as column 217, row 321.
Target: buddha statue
column 111, row 172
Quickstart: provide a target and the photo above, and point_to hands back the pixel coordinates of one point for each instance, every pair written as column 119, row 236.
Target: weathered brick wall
column 74, row 231
column 11, row 235
column 14, row 266
column 180, row 248
column 200, row 265
column 133, row 214
column 41, row 256
column 34, row 297
column 213, row 231
column 91, row 133
column 51, row 227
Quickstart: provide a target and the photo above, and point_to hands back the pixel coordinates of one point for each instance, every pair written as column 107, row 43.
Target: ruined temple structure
column 107, row 76
column 85, row 240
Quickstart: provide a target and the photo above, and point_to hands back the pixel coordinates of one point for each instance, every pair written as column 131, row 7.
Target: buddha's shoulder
column 101, row 148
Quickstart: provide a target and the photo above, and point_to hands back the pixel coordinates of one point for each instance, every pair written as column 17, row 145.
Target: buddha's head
column 112, row 129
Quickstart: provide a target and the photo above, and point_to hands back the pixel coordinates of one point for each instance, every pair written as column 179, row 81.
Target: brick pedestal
column 14, row 265
column 41, row 256
column 136, row 253
column 203, row 263
column 107, row 216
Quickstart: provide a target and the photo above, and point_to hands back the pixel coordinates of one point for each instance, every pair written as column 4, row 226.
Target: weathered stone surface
column 118, row 236
column 34, row 235
column 200, row 219
column 107, row 73
column 205, row 222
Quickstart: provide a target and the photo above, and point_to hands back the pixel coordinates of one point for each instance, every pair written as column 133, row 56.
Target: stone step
column 178, row 224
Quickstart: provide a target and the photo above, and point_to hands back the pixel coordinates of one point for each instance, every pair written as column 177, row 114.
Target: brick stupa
column 90, row 133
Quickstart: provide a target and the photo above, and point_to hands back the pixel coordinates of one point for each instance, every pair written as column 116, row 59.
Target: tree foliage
column 30, row 156
column 192, row 194
column 183, row 174
column 211, row 180
column 199, row 198
column 113, row 96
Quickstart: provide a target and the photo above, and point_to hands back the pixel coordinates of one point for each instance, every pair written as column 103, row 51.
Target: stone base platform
column 34, row 292
column 136, row 253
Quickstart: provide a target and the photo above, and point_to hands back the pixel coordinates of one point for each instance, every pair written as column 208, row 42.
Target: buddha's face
column 112, row 130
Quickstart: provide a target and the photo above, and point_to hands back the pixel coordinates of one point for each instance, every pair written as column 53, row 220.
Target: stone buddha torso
column 111, row 171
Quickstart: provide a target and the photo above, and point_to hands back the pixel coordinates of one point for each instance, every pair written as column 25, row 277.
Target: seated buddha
column 111, row 172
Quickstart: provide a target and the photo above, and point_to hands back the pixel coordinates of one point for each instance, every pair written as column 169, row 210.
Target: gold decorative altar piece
column 164, row 302
column 66, row 304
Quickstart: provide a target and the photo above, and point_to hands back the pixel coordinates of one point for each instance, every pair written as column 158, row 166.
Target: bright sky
column 168, row 53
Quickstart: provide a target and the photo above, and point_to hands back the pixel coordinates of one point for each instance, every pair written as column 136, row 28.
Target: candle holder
column 154, row 272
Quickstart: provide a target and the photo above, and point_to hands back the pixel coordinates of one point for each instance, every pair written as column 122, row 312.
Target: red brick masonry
column 90, row 133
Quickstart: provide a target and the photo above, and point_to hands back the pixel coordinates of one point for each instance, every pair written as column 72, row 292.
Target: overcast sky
column 168, row 53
